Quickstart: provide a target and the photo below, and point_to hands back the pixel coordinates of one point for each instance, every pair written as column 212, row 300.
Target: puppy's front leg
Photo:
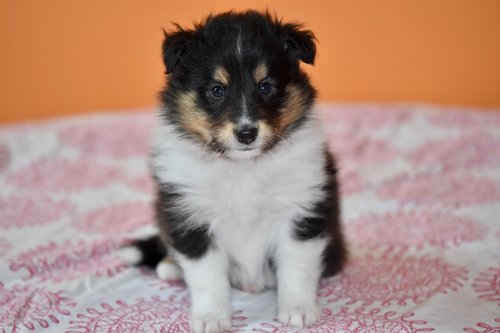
column 208, row 284
column 299, row 267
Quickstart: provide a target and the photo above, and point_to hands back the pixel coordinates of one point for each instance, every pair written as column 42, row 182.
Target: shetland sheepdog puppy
column 247, row 189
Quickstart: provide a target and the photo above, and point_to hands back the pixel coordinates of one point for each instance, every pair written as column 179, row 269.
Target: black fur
column 299, row 44
column 153, row 251
column 326, row 221
column 192, row 243
column 174, row 47
column 335, row 254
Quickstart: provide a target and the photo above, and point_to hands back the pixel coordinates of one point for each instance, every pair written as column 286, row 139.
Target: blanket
column 420, row 206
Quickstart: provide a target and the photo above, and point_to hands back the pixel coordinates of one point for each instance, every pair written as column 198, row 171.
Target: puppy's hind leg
column 169, row 270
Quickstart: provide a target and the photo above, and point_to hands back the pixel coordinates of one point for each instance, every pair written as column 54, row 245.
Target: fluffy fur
column 247, row 191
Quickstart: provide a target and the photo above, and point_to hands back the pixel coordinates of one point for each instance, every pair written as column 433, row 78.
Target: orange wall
column 60, row 57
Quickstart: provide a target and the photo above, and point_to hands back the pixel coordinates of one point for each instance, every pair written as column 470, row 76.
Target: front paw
column 299, row 316
column 211, row 322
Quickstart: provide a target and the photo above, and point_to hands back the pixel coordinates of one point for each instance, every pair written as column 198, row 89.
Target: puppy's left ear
column 299, row 43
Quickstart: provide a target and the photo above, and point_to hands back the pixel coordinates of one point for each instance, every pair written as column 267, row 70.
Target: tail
column 144, row 252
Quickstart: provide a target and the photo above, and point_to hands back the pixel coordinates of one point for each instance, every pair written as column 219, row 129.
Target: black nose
column 246, row 134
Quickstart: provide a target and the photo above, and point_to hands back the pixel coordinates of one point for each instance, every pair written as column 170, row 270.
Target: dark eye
column 218, row 91
column 265, row 88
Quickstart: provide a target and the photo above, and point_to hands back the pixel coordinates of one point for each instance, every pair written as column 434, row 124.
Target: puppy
column 247, row 190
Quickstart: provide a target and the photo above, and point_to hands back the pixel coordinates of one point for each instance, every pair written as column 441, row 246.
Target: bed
column 421, row 211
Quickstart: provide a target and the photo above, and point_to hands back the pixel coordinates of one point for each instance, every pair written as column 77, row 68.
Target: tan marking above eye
column 265, row 130
column 261, row 72
column 221, row 75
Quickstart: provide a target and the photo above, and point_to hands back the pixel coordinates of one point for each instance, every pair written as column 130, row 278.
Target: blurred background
column 64, row 57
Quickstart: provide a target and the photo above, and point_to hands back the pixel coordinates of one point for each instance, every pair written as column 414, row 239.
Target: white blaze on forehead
column 239, row 47
column 244, row 107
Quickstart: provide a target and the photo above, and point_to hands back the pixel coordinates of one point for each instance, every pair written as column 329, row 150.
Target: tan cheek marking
column 191, row 118
column 260, row 72
column 265, row 130
column 221, row 76
column 225, row 132
column 293, row 108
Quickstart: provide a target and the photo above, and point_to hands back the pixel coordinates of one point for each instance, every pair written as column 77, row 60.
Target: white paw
column 216, row 322
column 130, row 255
column 299, row 316
column 168, row 270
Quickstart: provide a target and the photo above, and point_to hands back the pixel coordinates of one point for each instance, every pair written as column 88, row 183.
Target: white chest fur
column 249, row 205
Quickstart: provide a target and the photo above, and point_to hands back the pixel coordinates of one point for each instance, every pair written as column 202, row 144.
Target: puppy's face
column 235, row 84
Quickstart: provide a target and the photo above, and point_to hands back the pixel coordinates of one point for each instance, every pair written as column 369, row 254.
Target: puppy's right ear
column 174, row 46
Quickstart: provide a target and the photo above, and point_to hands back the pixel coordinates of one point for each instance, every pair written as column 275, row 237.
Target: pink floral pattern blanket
column 421, row 210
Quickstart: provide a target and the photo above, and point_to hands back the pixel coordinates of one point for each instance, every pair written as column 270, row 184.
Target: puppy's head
column 234, row 82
